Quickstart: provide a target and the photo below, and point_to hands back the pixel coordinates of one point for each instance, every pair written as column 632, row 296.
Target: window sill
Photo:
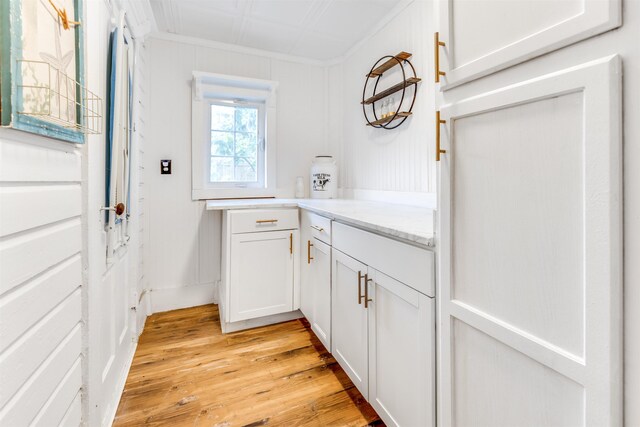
column 232, row 193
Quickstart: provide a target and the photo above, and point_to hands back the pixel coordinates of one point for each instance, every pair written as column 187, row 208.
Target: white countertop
column 411, row 223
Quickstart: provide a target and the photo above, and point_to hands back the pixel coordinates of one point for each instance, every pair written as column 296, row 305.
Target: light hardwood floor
column 186, row 373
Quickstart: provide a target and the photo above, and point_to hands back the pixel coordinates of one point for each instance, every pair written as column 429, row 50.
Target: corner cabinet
column 315, row 298
column 260, row 268
column 383, row 329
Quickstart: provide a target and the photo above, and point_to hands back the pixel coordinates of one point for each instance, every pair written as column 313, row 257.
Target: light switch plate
column 165, row 167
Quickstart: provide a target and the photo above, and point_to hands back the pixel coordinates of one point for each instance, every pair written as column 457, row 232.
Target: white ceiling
column 316, row 29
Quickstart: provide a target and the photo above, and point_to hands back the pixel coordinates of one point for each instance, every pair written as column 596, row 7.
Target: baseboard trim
column 110, row 414
column 142, row 312
column 260, row 321
column 168, row 299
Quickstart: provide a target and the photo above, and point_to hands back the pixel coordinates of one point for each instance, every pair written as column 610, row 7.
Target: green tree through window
column 234, row 144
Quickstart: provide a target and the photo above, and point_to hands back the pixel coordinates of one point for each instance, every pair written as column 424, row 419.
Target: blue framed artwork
column 42, row 88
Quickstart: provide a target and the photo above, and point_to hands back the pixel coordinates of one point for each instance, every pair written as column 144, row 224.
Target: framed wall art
column 42, row 87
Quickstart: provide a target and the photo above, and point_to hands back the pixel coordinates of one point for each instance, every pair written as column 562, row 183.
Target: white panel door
column 321, row 282
column 401, row 353
column 349, row 319
column 262, row 273
column 484, row 36
column 530, row 265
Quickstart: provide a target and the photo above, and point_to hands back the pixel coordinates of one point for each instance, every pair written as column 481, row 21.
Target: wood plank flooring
column 187, row 373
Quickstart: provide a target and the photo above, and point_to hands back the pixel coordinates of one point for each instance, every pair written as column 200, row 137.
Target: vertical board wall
column 398, row 160
column 182, row 262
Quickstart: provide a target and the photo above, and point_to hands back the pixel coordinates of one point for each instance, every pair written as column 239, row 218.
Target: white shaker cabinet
column 306, row 247
column 401, row 352
column 260, row 261
column 383, row 330
column 315, row 286
column 349, row 319
column 481, row 37
column 321, row 288
column 262, row 274
column 530, row 332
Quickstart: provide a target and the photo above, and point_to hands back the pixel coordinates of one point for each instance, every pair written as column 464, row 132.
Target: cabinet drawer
column 256, row 220
column 409, row 264
column 320, row 228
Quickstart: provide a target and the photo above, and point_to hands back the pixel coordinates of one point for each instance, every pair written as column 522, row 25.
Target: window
column 237, row 144
column 233, row 138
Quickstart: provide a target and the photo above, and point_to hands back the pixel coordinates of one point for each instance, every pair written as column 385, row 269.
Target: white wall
column 40, row 280
column 139, row 192
column 377, row 159
column 184, row 240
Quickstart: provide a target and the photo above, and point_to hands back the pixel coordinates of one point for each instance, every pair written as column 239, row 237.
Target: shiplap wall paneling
column 479, row 40
column 40, row 281
column 138, row 227
column 143, row 217
column 530, row 332
column 182, row 258
column 377, row 159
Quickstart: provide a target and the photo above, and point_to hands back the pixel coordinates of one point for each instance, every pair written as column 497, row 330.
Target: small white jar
column 299, row 188
column 324, row 178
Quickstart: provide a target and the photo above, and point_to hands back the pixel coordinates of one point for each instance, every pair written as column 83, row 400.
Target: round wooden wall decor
column 377, row 71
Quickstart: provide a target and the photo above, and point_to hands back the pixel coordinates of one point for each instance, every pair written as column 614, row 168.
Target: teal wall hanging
column 42, row 70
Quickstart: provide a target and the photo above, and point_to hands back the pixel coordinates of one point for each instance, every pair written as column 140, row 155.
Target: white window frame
column 214, row 89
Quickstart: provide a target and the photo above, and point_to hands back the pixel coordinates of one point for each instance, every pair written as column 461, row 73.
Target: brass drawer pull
column 315, row 227
column 366, row 291
column 360, row 296
column 436, row 53
column 309, row 257
column 291, row 243
column 266, row 221
column 439, row 122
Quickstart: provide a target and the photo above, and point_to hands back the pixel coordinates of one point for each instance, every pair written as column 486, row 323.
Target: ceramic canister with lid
column 324, row 178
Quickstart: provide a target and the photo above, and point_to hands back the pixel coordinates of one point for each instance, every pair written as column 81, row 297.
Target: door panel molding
column 596, row 17
column 349, row 330
column 599, row 369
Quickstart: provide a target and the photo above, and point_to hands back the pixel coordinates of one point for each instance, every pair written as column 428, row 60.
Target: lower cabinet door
column 306, row 266
column 321, row 283
column 349, row 319
column 401, row 353
column 262, row 273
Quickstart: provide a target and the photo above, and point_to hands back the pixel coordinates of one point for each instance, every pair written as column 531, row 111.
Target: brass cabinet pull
column 291, row 243
column 436, row 53
column 309, row 257
column 315, row 227
column 360, row 277
column 266, row 221
column 439, row 122
column 366, row 290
